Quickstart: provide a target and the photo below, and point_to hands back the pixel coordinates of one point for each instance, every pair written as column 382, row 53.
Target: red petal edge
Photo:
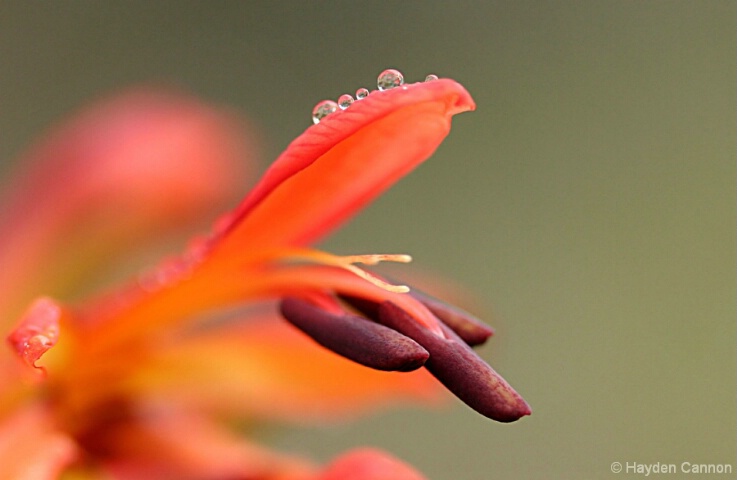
column 363, row 170
column 369, row 464
column 37, row 331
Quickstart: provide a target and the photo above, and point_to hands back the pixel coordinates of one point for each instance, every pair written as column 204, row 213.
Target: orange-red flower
column 141, row 381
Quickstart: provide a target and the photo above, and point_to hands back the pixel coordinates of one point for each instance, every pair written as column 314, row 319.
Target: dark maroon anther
column 471, row 330
column 458, row 368
column 355, row 337
column 367, row 307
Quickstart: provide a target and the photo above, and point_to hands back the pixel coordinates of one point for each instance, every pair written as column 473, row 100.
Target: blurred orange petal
column 368, row 464
column 31, row 449
column 187, row 446
column 265, row 369
column 124, row 171
column 37, row 331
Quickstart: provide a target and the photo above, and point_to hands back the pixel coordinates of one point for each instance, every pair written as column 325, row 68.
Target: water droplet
column 431, row 77
column 362, row 93
column 389, row 79
column 323, row 109
column 344, row 101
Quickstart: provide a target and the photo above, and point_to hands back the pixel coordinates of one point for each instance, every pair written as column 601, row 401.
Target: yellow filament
column 374, row 280
column 347, row 262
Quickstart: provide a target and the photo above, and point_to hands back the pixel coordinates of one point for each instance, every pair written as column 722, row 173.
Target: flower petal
column 30, row 448
column 191, row 446
column 368, row 464
column 37, row 331
column 339, row 165
column 93, row 189
column 264, row 368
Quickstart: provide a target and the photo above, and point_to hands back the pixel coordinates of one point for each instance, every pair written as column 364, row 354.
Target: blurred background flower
column 589, row 201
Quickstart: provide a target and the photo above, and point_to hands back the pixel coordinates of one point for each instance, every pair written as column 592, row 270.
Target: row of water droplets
column 387, row 80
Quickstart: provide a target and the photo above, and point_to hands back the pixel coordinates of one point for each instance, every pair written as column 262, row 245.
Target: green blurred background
column 589, row 202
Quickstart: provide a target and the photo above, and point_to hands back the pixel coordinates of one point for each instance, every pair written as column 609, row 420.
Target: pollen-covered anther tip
column 355, row 337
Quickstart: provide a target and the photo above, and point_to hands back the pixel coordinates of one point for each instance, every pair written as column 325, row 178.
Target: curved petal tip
column 37, row 331
column 369, row 464
column 356, row 154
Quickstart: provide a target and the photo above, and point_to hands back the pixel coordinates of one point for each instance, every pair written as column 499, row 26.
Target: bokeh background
column 589, row 202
